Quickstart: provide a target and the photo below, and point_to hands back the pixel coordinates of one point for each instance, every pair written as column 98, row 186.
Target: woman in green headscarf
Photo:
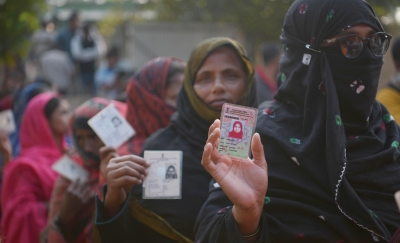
column 218, row 72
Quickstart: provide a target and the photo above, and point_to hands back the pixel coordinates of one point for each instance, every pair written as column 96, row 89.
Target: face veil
column 325, row 116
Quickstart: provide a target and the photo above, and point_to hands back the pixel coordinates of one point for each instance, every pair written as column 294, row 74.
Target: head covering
column 35, row 129
column 79, row 120
column 29, row 178
column 233, row 133
column 199, row 54
column 19, row 105
column 147, row 110
column 332, row 128
column 194, row 115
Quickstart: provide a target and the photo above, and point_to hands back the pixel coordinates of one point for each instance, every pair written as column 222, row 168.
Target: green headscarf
column 197, row 57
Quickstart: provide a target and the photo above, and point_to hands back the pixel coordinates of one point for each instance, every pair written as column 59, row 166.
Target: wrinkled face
column 88, row 141
column 59, row 119
column 221, row 79
column 237, row 128
column 172, row 91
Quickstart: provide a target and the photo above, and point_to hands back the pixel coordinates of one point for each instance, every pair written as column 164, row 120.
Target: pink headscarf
column 233, row 134
column 28, row 180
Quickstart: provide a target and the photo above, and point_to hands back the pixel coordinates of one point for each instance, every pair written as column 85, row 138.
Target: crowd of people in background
column 324, row 163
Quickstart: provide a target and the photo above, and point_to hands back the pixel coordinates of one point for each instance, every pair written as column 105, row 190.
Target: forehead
column 222, row 57
column 84, row 132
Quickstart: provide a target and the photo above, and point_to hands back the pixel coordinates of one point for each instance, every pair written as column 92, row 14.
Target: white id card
column 111, row 127
column 164, row 180
column 66, row 167
column 7, row 123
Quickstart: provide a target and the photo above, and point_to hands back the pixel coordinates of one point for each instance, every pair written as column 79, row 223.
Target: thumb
column 258, row 151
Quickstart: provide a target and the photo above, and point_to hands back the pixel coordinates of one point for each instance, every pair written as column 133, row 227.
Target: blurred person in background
column 66, row 34
column 43, row 39
column 389, row 95
column 72, row 203
column 56, row 67
column 87, row 47
column 151, row 98
column 266, row 74
column 107, row 78
column 28, row 179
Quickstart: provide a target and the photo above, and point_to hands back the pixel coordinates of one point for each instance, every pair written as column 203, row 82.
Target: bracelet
column 249, row 236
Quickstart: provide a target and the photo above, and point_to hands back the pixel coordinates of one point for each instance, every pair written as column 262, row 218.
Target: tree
column 18, row 20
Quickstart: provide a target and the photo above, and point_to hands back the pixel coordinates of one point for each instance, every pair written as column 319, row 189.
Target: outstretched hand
column 244, row 181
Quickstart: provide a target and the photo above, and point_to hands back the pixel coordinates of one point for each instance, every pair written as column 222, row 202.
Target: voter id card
column 237, row 128
column 111, row 127
column 7, row 123
column 164, row 180
column 66, row 167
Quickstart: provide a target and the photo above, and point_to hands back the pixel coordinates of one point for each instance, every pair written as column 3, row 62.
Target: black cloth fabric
column 188, row 133
column 331, row 148
column 88, row 66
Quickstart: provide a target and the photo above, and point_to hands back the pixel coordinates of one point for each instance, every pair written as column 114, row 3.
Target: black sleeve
column 215, row 222
column 120, row 228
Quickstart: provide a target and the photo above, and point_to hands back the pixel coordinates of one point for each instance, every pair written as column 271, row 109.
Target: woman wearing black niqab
column 331, row 148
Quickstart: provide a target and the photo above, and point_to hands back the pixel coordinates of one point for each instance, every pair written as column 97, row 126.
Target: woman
column 237, row 130
column 72, row 203
column 151, row 100
column 218, row 72
column 332, row 149
column 29, row 179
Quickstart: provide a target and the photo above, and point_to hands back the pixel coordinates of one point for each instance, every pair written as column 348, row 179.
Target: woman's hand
column 106, row 154
column 77, row 209
column 122, row 174
column 244, row 181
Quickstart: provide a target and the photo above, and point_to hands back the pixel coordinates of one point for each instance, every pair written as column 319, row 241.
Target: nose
column 88, row 146
column 219, row 86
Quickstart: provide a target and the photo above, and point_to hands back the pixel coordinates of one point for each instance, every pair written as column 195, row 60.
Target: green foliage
column 18, row 20
column 260, row 20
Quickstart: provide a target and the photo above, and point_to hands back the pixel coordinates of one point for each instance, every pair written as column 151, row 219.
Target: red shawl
column 147, row 110
column 28, row 180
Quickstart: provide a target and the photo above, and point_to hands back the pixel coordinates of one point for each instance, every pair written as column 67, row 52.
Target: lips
column 217, row 104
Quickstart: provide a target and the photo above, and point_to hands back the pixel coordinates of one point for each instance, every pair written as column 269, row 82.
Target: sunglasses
column 352, row 45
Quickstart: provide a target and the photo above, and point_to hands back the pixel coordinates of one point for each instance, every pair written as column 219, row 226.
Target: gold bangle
column 249, row 236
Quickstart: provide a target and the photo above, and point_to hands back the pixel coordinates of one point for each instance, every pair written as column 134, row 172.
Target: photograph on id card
column 237, row 129
column 164, row 180
column 7, row 123
column 66, row 167
column 111, row 127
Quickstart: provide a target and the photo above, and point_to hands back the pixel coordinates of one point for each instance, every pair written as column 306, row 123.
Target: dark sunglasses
column 352, row 45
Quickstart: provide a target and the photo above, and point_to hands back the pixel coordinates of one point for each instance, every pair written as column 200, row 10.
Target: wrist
column 113, row 204
column 248, row 220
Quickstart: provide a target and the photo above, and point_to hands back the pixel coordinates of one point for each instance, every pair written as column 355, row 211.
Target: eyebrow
column 344, row 33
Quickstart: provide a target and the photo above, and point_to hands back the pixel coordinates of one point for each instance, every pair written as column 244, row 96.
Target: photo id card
column 7, row 123
column 66, row 167
column 238, row 124
column 111, row 127
column 164, row 180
